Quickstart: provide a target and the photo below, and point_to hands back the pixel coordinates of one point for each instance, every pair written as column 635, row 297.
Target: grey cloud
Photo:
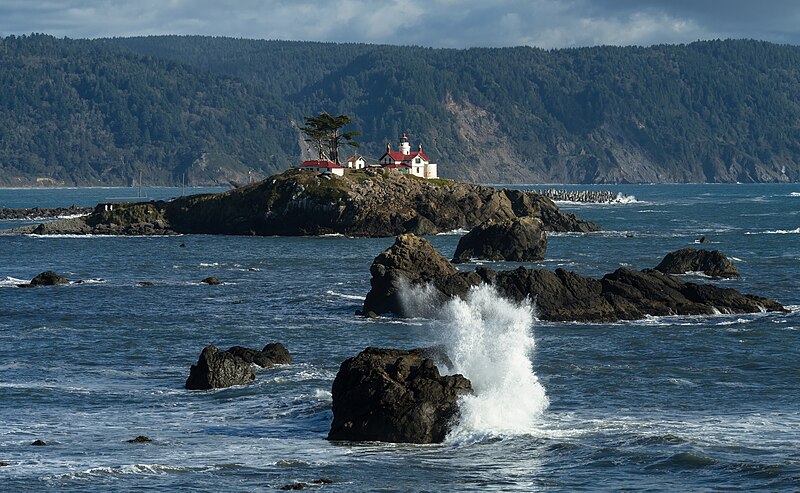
column 440, row 23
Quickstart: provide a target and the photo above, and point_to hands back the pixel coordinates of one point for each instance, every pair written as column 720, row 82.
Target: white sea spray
column 489, row 340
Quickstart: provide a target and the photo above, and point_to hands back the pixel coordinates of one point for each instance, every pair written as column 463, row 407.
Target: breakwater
column 585, row 196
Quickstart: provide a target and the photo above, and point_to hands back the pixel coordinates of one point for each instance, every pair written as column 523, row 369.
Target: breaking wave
column 489, row 341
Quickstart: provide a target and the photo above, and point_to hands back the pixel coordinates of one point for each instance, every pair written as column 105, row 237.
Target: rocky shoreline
column 299, row 203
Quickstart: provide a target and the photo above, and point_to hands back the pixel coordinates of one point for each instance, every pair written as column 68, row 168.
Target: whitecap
column 345, row 296
column 775, row 232
column 11, row 282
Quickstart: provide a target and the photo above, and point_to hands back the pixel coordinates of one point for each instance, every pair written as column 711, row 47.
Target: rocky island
column 297, row 202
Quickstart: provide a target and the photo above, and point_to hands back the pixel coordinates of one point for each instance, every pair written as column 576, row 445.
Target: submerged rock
column 140, row 439
column 559, row 295
column 217, row 368
column 211, row 281
column 394, row 395
column 520, row 239
column 710, row 262
column 270, row 355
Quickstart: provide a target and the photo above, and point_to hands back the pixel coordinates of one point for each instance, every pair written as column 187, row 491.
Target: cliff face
column 359, row 204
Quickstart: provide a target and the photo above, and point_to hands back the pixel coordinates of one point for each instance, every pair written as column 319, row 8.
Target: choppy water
column 678, row 403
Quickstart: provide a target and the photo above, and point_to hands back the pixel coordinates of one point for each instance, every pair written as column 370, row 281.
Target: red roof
column 399, row 156
column 319, row 164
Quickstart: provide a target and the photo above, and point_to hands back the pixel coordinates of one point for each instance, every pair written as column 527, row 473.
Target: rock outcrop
column 393, row 395
column 521, row 239
column 559, row 295
column 712, row 263
column 217, row 368
column 270, row 355
column 49, row 278
column 362, row 203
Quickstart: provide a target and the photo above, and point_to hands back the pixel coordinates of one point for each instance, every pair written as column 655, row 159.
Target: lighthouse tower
column 405, row 147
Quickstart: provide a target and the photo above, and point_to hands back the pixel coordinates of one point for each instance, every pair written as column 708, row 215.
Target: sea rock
column 270, row 355
column 703, row 239
column 140, row 439
column 4, row 463
column 712, row 263
column 49, row 278
column 394, row 395
column 521, row 239
column 39, row 443
column 145, row 283
column 410, row 260
column 559, row 295
column 217, row 368
column 211, row 281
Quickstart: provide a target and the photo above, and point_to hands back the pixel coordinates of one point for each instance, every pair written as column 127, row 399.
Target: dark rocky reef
column 47, row 278
column 521, row 239
column 712, row 263
column 624, row 294
column 217, row 368
column 394, row 395
column 270, row 355
column 362, row 203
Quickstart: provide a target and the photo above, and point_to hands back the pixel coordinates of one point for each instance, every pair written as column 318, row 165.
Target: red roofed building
column 414, row 163
column 322, row 166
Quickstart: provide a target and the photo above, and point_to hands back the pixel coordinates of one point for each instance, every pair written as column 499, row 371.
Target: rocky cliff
column 298, row 202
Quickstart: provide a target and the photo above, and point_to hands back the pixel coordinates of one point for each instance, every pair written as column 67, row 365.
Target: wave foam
column 775, row 232
column 345, row 296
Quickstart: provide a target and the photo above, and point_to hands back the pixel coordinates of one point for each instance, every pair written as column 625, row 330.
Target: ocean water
column 662, row 404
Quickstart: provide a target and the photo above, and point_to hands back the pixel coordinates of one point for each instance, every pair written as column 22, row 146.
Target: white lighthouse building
column 412, row 163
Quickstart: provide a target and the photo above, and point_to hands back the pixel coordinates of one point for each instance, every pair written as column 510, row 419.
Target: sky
column 435, row 23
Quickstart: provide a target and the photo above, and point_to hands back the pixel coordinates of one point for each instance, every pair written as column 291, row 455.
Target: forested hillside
column 84, row 113
column 81, row 111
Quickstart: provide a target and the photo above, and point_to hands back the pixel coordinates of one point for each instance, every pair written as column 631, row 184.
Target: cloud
column 439, row 23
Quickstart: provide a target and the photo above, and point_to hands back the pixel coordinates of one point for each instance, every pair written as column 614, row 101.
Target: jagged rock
column 49, row 278
column 270, row 355
column 39, row 443
column 140, row 439
column 710, row 262
column 703, row 239
column 211, row 281
column 411, row 259
column 517, row 240
column 559, row 295
column 394, row 395
column 217, row 368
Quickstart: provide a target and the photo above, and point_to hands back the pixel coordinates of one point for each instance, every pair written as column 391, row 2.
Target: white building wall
column 431, row 171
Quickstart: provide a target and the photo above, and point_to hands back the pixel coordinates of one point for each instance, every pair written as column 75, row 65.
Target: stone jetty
column 584, row 196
